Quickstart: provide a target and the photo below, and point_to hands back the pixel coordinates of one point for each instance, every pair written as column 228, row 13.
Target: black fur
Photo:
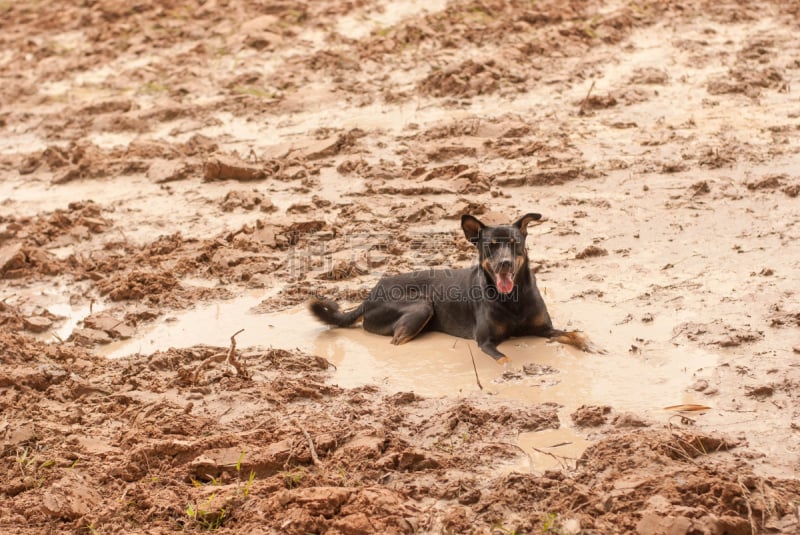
column 489, row 302
column 329, row 312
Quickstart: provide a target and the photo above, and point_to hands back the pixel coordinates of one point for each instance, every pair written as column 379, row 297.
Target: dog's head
column 501, row 249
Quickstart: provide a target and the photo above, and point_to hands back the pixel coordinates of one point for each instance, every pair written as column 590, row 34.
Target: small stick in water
column 478, row 379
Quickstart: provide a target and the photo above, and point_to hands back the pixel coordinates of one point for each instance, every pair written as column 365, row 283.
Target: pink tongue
column 504, row 283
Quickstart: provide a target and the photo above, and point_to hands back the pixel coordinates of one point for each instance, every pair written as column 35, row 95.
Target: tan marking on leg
column 401, row 337
column 579, row 340
column 540, row 319
column 500, row 331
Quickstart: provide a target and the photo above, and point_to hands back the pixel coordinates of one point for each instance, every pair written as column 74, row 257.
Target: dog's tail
column 575, row 339
column 329, row 312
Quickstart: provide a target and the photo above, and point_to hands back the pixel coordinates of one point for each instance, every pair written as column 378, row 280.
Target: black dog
column 489, row 302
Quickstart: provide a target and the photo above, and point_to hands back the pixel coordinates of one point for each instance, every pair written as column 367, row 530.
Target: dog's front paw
column 504, row 361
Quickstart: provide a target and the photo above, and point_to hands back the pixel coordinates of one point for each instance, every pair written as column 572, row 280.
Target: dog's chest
column 508, row 321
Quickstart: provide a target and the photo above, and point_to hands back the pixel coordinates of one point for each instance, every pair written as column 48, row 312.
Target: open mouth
column 504, row 281
column 503, row 274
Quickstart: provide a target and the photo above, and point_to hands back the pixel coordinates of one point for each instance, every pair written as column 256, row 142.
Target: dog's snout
column 505, row 265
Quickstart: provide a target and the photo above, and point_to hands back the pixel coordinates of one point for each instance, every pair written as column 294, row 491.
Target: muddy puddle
column 436, row 364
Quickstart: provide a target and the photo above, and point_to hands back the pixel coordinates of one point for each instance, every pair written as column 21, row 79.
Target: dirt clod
column 590, row 252
column 37, row 324
column 231, row 168
column 590, row 415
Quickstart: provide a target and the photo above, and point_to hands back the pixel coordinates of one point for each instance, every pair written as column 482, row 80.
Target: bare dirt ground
column 159, row 158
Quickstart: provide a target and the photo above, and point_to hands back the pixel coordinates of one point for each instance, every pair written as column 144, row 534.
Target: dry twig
column 474, row 367
column 585, row 101
column 562, row 460
column 746, row 496
column 229, row 357
column 311, row 447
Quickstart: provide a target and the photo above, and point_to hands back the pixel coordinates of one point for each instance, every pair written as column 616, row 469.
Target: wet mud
column 174, row 172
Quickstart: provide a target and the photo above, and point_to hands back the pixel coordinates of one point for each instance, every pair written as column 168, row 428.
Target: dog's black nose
column 505, row 265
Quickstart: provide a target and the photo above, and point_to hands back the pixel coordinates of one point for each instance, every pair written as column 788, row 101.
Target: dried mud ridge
column 151, row 444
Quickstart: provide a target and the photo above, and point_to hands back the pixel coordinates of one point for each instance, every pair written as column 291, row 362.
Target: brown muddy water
column 436, row 364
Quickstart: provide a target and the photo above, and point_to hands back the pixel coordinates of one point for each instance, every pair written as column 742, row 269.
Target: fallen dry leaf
column 687, row 407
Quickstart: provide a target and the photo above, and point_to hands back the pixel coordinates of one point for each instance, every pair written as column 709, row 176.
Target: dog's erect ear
column 522, row 222
column 472, row 227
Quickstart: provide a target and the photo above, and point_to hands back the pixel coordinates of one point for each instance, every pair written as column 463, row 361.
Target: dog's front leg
column 489, row 346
